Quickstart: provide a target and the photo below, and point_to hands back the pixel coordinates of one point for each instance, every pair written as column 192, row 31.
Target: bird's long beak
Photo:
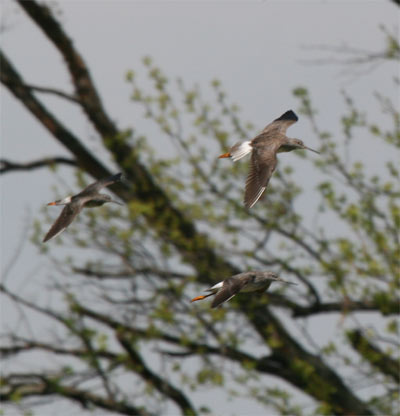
column 224, row 155
column 308, row 148
column 285, row 281
column 51, row 203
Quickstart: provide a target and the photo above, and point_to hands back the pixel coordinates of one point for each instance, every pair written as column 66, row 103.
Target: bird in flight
column 264, row 148
column 89, row 197
column 244, row 282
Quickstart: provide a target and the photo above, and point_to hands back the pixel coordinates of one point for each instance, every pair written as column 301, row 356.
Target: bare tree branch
column 353, row 58
column 9, row 166
column 31, row 384
column 26, row 345
column 81, row 78
column 85, row 159
column 298, row 311
column 374, row 355
column 226, row 351
column 124, row 274
column 53, row 91
column 160, row 384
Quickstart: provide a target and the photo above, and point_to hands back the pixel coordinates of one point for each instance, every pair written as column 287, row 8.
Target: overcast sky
column 255, row 48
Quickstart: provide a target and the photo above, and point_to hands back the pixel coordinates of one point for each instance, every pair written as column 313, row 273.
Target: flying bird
column 263, row 149
column 243, row 282
column 89, row 197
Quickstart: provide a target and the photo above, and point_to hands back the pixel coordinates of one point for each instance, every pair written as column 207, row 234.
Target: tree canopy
column 122, row 335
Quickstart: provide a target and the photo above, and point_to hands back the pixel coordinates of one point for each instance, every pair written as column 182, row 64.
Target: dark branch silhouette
column 9, row 166
column 34, row 385
column 374, row 355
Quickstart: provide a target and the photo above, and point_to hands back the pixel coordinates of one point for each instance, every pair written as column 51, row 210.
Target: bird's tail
column 238, row 151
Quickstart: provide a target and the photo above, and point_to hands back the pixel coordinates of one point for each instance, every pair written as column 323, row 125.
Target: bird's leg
column 201, row 297
column 64, row 201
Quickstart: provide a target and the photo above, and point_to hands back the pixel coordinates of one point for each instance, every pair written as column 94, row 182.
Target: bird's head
column 275, row 278
column 64, row 201
column 298, row 144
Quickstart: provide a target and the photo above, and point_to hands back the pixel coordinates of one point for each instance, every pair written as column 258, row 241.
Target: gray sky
column 254, row 47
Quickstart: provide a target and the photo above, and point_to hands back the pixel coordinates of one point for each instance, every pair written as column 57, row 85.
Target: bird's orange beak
column 224, row 155
column 51, row 203
column 198, row 298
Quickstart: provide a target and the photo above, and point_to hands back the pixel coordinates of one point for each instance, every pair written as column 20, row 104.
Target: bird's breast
column 253, row 286
column 285, row 148
column 94, row 203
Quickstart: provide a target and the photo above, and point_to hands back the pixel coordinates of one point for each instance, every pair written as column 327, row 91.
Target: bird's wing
column 65, row 218
column 281, row 124
column 230, row 288
column 95, row 187
column 262, row 165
